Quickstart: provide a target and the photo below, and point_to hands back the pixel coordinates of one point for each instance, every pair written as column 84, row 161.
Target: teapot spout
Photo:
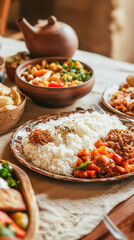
column 26, row 28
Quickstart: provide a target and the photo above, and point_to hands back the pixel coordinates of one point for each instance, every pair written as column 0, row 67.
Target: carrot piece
column 93, row 167
column 117, row 158
column 79, row 161
column 84, row 152
column 102, row 150
column 67, row 63
column 4, row 218
column 84, row 158
column 126, row 165
column 120, row 169
column 76, row 172
column 91, row 174
column 104, row 159
column 40, row 72
column 98, row 143
column 38, row 66
column 95, row 155
column 83, row 174
column 110, row 155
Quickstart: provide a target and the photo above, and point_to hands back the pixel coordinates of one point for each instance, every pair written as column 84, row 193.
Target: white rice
column 60, row 156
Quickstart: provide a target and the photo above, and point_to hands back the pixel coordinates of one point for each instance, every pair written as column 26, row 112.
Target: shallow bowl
column 53, row 97
column 9, row 118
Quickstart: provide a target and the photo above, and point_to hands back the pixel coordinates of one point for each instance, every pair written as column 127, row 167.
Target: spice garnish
column 64, row 129
column 41, row 137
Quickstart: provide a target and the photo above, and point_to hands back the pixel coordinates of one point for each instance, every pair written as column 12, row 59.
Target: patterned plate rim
column 106, row 103
column 32, row 167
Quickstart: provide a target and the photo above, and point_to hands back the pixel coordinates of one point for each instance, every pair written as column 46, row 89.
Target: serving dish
column 30, row 201
column 106, row 97
column 14, row 61
column 10, row 116
column 53, row 97
column 17, row 150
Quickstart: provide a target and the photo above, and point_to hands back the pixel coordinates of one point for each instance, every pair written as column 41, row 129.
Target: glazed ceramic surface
column 49, row 37
column 106, row 97
column 17, row 150
column 53, row 97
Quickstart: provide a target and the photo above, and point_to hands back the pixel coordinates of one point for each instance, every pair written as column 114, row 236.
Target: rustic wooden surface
column 123, row 217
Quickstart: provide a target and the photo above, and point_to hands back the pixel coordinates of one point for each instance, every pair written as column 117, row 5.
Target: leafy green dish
column 6, row 172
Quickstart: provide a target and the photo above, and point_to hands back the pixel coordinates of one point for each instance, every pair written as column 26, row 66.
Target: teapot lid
column 52, row 20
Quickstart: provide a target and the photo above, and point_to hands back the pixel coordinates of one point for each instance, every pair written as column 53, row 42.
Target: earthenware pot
column 49, row 37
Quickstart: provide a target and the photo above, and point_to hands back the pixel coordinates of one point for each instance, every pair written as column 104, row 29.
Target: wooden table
column 107, row 71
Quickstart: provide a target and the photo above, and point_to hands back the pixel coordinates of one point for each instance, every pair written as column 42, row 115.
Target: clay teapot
column 49, row 37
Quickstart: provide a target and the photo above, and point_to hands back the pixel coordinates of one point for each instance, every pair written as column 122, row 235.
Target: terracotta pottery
column 53, row 97
column 9, row 118
column 49, row 37
column 29, row 197
column 10, row 72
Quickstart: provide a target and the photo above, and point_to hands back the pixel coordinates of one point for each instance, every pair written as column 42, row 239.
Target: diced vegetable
column 6, row 172
column 56, row 84
column 70, row 73
column 21, row 219
column 102, row 161
column 5, row 219
column 40, row 72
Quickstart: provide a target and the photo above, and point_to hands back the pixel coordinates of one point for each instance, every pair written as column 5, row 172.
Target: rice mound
column 60, row 156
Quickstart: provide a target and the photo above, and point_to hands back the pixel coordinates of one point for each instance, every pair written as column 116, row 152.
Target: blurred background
column 103, row 26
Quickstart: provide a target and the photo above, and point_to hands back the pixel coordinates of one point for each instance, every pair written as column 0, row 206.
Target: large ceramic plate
column 106, row 97
column 17, row 150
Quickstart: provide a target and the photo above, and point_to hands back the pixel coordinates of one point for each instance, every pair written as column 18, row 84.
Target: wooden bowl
column 10, row 72
column 29, row 197
column 9, row 118
column 53, row 97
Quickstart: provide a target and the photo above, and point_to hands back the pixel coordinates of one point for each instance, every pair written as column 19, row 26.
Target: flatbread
column 11, row 200
column 4, row 90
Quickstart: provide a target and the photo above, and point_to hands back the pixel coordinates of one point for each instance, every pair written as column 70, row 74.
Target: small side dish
column 12, row 104
column 123, row 99
column 14, row 218
column 15, row 60
column 69, row 73
column 9, row 98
